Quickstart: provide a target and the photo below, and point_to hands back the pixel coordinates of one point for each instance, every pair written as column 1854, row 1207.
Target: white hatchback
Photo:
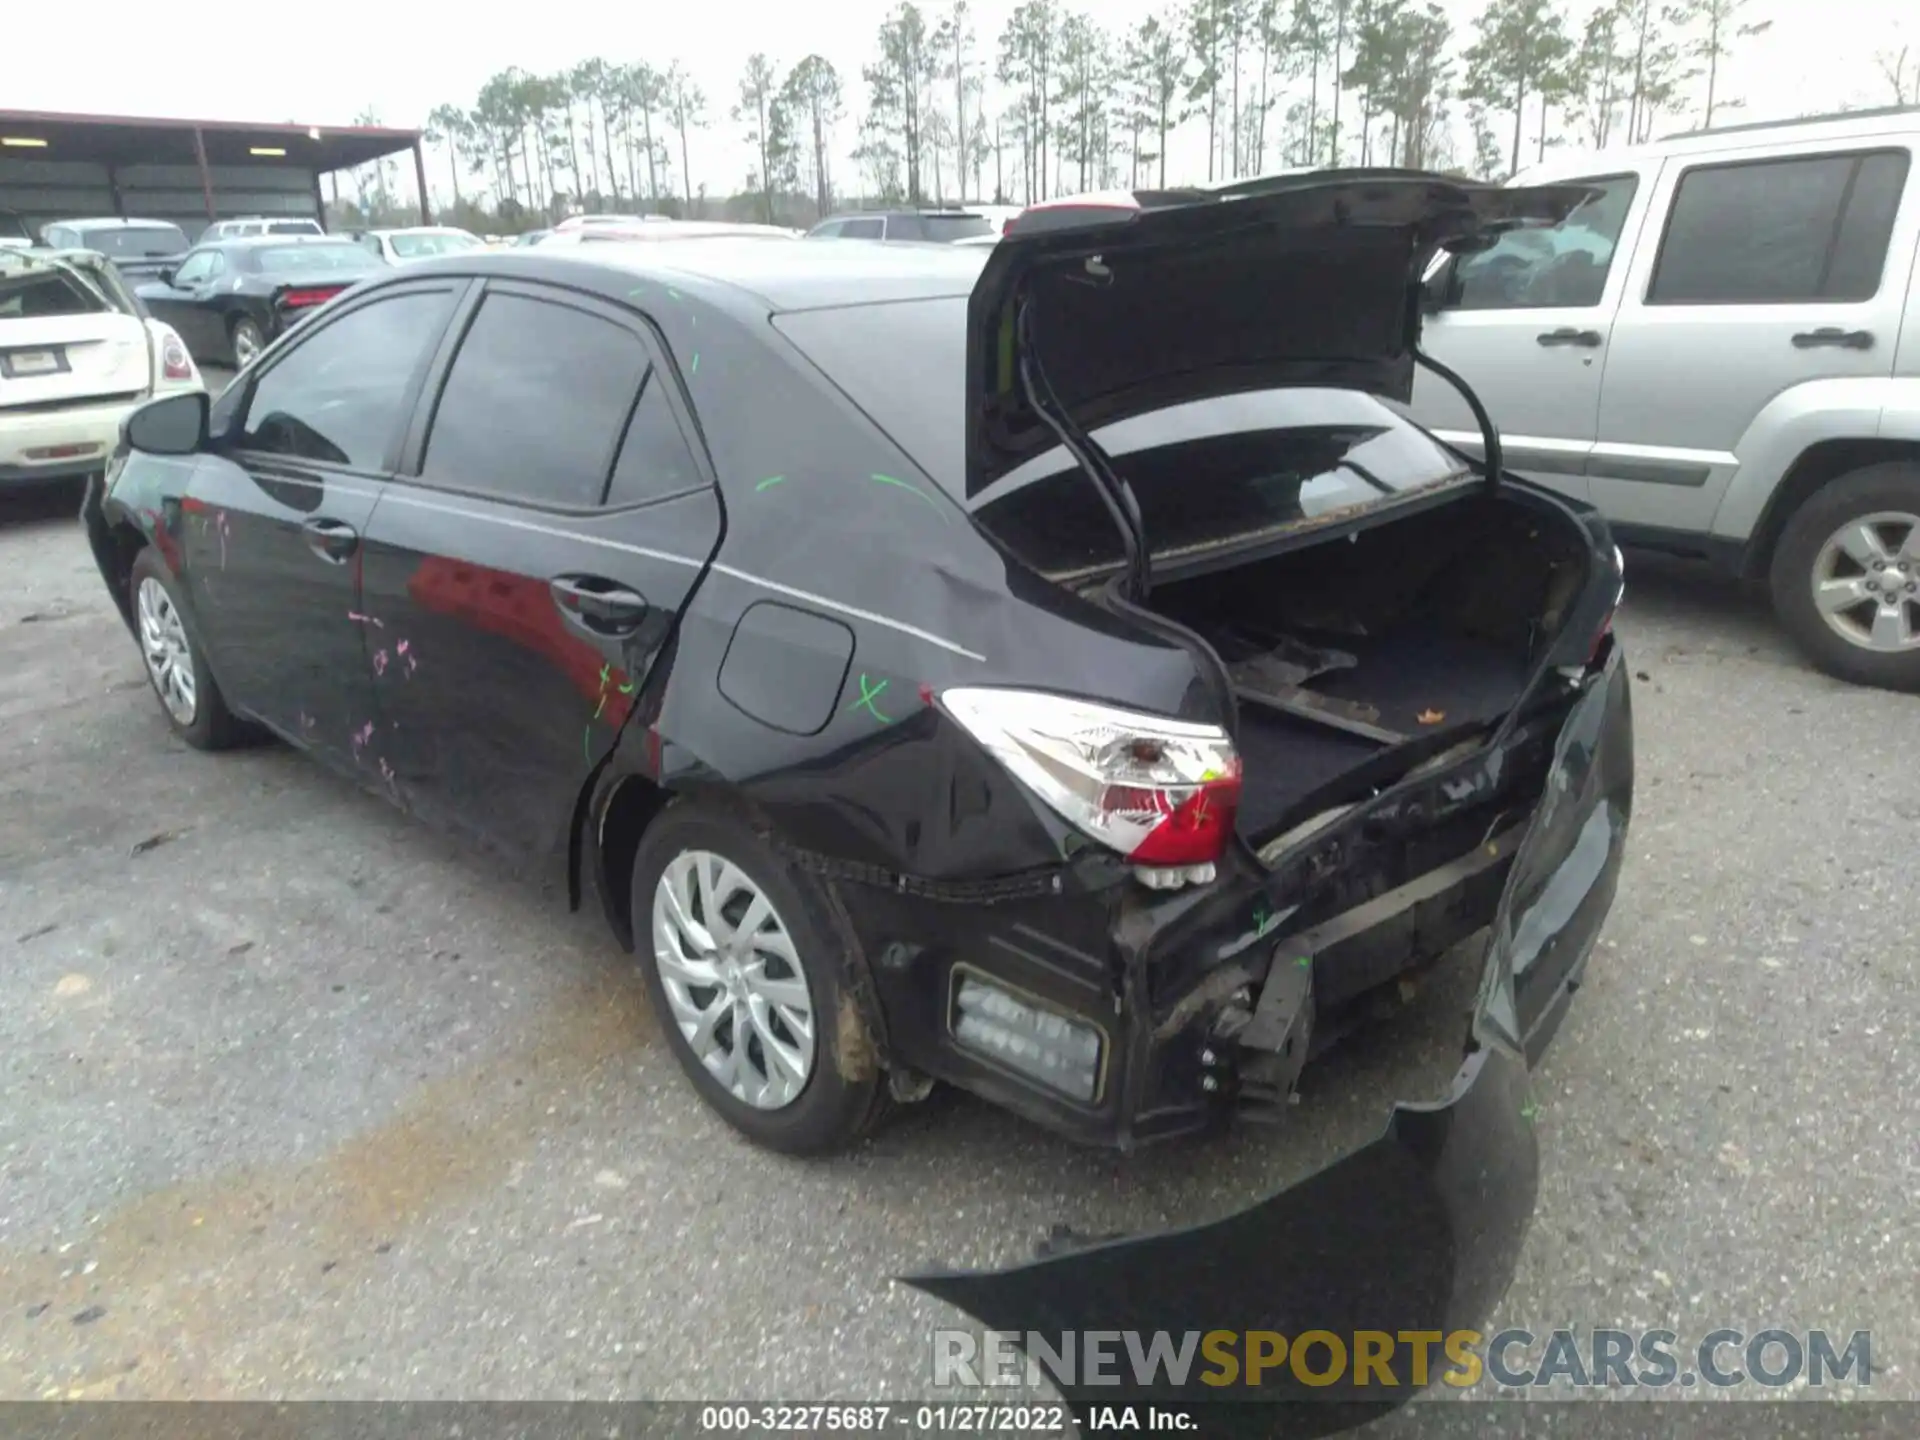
column 78, row 354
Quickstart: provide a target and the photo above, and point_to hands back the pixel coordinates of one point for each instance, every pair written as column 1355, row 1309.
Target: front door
column 178, row 303
column 524, row 571
column 1767, row 275
column 277, row 510
column 1528, row 329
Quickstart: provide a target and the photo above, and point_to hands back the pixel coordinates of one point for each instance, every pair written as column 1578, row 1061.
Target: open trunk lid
column 1308, row 279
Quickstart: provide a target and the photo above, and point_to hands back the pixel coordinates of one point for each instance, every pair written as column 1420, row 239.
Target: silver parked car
column 1721, row 352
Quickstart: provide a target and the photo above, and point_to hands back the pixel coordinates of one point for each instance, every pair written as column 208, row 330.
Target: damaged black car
column 1055, row 670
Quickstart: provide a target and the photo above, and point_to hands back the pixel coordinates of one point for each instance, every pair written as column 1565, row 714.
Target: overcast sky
column 325, row 63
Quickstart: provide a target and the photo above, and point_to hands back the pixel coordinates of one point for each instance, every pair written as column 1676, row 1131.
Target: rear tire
column 1845, row 577
column 752, row 997
column 176, row 663
column 247, row 342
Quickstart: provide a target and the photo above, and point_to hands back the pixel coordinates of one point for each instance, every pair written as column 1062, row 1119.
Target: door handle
column 1833, row 337
column 590, row 598
column 331, row 540
column 1567, row 335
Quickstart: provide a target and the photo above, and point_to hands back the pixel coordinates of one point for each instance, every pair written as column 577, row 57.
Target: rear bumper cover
column 1419, row 1230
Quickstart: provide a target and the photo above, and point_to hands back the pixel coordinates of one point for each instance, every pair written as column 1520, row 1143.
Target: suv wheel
column 1846, row 576
column 744, row 966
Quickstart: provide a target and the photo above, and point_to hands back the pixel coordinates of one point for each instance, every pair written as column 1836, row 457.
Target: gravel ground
column 301, row 1101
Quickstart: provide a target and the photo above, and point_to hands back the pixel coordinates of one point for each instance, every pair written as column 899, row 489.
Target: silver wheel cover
column 733, row 979
column 245, row 345
column 1866, row 581
column 163, row 641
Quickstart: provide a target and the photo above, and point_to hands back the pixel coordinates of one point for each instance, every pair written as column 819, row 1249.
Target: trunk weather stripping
column 1114, row 491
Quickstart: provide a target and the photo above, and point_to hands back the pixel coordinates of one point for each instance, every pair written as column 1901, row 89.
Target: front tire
column 1846, row 577
column 744, row 966
column 176, row 665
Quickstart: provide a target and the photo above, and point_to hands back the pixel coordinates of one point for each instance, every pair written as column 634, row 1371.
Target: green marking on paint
column 869, row 693
column 606, row 670
column 1305, row 962
column 913, row 490
column 694, row 368
column 1529, row 1110
column 673, row 293
column 628, row 688
column 769, row 482
column 586, row 742
column 601, row 706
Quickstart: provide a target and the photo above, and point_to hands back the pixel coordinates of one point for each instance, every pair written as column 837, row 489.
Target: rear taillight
column 303, row 299
column 175, row 363
column 1160, row 792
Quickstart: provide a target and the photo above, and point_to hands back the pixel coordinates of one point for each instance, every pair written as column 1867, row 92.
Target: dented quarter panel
column 1422, row 1228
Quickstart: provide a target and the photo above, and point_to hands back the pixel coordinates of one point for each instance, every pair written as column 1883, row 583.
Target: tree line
column 1058, row 103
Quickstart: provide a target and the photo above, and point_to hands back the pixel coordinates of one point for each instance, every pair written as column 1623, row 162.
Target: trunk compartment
column 1357, row 659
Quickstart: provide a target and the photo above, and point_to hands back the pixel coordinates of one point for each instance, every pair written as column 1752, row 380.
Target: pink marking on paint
column 379, row 662
column 401, row 647
column 360, row 619
column 926, row 695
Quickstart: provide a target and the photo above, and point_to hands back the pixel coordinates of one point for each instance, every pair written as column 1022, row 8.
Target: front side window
column 340, row 395
column 1776, row 232
column 196, row 269
column 1538, row 269
column 537, row 399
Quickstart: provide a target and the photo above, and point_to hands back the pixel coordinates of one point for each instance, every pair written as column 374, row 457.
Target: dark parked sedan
column 1049, row 669
column 230, row 299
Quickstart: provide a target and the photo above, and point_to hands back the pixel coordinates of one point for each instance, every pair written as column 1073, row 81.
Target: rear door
column 872, row 228
column 1756, row 275
column 1530, row 331
column 523, row 573
column 275, row 512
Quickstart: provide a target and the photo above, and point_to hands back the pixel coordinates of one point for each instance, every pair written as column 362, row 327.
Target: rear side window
column 948, row 228
column 863, row 230
column 655, row 459
column 535, row 404
column 1542, row 269
column 340, row 395
column 1776, row 232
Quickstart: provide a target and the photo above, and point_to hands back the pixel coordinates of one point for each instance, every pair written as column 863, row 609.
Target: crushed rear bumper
column 1419, row 1230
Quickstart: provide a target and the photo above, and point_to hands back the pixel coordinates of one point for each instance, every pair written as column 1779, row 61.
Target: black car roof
column 778, row 274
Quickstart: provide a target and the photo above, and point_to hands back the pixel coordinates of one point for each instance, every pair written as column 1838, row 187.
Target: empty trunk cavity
column 1356, row 659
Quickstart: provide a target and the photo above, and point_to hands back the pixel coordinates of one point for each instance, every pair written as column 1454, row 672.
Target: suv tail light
column 175, row 363
column 302, row 299
column 1161, row 792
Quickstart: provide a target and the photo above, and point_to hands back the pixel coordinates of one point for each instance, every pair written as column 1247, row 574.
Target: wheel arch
column 1816, row 467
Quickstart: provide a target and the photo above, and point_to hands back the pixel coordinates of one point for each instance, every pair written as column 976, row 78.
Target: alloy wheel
column 1866, row 581
column 169, row 656
column 246, row 345
column 733, row 979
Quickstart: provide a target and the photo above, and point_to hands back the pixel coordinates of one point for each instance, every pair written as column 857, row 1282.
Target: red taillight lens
column 1195, row 829
column 1161, row 792
column 1006, row 225
column 175, row 363
column 305, row 299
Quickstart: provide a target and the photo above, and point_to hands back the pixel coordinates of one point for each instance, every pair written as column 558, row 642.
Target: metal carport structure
column 57, row 166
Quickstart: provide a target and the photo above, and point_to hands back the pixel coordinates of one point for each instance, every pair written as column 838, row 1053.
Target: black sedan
column 960, row 665
column 230, row 299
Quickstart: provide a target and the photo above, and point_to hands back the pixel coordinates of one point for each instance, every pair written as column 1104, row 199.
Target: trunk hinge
column 1489, row 432
column 1094, row 462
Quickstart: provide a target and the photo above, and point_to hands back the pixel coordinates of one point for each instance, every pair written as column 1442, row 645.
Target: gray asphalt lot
column 302, row 1101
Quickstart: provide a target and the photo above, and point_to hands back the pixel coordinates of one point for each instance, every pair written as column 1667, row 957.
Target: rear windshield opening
column 415, row 246
column 136, row 242
column 1213, row 472
column 295, row 227
column 45, row 294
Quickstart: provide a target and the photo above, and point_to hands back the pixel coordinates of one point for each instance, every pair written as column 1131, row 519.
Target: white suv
column 1721, row 352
